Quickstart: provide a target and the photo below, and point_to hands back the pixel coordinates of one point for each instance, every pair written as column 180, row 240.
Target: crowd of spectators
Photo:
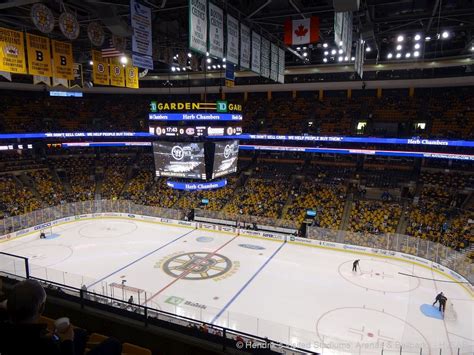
column 447, row 112
column 115, row 175
column 50, row 191
column 79, row 176
column 14, row 198
column 375, row 217
column 260, row 197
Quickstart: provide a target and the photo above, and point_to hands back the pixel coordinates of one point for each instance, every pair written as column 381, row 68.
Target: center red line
column 185, row 273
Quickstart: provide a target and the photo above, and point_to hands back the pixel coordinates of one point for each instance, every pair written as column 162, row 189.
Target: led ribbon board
column 392, row 153
column 195, row 186
column 195, row 111
column 341, row 139
column 73, row 135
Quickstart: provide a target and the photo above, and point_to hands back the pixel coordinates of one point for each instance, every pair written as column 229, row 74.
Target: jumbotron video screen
column 225, row 158
column 185, row 160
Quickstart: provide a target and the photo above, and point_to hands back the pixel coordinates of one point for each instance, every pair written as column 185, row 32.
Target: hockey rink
column 300, row 295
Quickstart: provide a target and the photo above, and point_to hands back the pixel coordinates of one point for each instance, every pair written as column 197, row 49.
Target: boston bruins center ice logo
column 197, row 266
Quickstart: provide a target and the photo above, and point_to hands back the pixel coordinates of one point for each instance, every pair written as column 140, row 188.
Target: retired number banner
column 274, row 62
column 256, row 44
column 63, row 63
column 39, row 55
column 142, row 49
column 244, row 47
column 100, row 70
column 198, row 25
column 265, row 59
column 281, row 65
column 216, row 31
column 12, row 51
column 232, row 54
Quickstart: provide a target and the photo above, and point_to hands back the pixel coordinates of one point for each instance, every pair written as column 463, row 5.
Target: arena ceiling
column 380, row 22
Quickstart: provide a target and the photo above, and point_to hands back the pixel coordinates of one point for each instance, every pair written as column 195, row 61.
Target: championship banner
column 100, row 69
column 39, row 55
column 117, row 75
column 281, row 66
column 216, row 31
column 78, row 81
column 12, row 51
column 63, row 62
column 244, row 47
column 142, row 35
column 256, row 45
column 131, row 77
column 232, row 54
column 265, row 59
column 274, row 62
column 198, row 25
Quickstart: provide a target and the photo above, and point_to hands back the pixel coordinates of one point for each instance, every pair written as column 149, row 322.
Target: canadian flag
column 302, row 31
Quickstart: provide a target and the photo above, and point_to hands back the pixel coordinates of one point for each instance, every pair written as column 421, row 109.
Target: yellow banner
column 117, row 75
column 131, row 76
column 12, row 51
column 63, row 62
column 39, row 55
column 100, row 70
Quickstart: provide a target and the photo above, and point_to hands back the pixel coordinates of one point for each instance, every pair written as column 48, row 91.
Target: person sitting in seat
column 23, row 333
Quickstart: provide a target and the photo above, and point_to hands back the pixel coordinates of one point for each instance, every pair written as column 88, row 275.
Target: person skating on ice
column 442, row 304
column 355, row 265
column 438, row 297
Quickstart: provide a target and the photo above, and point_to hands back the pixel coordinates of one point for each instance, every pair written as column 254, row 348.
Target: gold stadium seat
column 131, row 349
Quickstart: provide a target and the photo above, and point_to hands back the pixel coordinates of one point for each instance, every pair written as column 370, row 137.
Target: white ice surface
column 299, row 295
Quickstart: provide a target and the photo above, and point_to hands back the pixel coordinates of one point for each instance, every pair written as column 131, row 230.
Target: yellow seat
column 131, row 349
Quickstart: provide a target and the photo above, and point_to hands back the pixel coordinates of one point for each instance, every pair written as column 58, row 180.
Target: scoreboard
column 184, row 151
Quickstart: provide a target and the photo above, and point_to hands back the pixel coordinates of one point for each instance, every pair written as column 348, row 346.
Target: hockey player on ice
column 441, row 299
column 355, row 265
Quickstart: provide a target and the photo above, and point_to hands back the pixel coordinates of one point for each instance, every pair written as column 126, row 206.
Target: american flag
column 109, row 50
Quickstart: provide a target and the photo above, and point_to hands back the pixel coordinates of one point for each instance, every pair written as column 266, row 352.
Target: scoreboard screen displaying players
column 225, row 158
column 175, row 159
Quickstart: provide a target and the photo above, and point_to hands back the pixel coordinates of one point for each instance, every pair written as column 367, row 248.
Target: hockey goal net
column 48, row 231
column 450, row 311
column 124, row 292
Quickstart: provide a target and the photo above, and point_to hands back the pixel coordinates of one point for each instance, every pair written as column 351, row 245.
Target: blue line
column 246, row 284
column 140, row 258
